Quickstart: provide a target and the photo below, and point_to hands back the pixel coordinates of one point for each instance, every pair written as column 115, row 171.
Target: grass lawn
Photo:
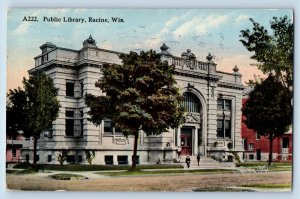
column 66, row 176
column 268, row 186
column 169, row 172
column 78, row 167
column 221, row 189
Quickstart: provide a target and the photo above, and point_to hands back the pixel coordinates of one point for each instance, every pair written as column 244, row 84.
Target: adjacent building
column 213, row 100
column 257, row 148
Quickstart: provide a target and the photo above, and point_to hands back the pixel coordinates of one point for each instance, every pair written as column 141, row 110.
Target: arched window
column 191, row 102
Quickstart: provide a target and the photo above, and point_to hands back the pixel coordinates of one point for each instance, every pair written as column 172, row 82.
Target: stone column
column 115, row 159
column 195, row 144
column 178, row 136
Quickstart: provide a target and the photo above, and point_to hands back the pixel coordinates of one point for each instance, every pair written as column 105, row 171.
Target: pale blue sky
column 202, row 30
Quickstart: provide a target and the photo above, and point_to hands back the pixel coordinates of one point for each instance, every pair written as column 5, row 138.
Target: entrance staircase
column 206, row 163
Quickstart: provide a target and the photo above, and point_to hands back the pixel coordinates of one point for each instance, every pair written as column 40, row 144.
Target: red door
column 186, row 141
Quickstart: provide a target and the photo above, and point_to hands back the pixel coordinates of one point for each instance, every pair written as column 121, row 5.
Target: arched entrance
column 191, row 136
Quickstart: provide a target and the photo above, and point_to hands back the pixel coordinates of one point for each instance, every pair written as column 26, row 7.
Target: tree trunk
column 270, row 151
column 136, row 136
column 34, row 150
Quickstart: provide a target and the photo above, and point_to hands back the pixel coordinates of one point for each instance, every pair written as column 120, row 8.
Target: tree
column 90, row 155
column 34, row 108
column 274, row 53
column 268, row 110
column 140, row 96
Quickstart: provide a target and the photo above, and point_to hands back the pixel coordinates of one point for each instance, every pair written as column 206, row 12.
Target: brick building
column 257, row 147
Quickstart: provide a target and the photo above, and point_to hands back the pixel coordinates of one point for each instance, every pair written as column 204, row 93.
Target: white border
column 5, row 4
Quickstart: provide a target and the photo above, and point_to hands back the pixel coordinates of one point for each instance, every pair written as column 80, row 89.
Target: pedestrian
column 179, row 151
column 188, row 161
column 198, row 158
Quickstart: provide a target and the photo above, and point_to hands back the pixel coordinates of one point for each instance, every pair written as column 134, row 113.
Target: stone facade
column 213, row 98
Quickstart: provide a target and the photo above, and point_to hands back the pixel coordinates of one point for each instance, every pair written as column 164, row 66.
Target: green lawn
column 159, row 172
column 268, row 186
column 66, row 176
column 78, row 167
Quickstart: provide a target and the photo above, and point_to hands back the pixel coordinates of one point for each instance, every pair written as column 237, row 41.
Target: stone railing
column 185, row 64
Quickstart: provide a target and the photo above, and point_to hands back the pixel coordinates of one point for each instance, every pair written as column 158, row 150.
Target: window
column 70, row 89
column 257, row 136
column 191, row 102
column 69, row 123
column 14, row 153
column 251, row 146
column 49, row 158
column 224, row 104
column 245, row 144
column 81, row 88
column 109, row 160
column 285, row 142
column 27, row 157
column 107, row 127
column 137, row 159
column 81, row 123
column 80, row 158
column 223, row 128
column 251, row 157
column 122, row 159
column 37, row 158
column 71, row 158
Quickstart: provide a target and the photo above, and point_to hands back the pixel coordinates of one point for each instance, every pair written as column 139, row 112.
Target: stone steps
column 206, row 163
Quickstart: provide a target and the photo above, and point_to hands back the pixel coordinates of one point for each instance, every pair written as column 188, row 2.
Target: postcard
column 172, row 100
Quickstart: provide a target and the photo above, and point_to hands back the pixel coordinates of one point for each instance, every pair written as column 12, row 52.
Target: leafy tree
column 62, row 157
column 34, row 108
column 274, row 53
column 90, row 155
column 140, row 96
column 268, row 110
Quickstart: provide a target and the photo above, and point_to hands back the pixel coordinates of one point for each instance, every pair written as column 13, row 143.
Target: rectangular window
column 223, row 128
column 227, row 105
column 220, row 104
column 79, row 158
column 137, row 159
column 107, row 127
column 224, row 104
column 245, row 144
column 37, row 158
column 81, row 123
column 71, row 158
column 49, row 158
column 220, row 128
column 285, row 142
column 70, row 89
column 251, row 146
column 227, row 128
column 257, row 136
column 122, row 160
column 81, row 88
column 69, row 123
column 14, row 152
column 251, row 157
column 109, row 160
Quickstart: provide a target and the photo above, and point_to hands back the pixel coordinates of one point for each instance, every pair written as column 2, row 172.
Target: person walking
column 188, row 161
column 198, row 158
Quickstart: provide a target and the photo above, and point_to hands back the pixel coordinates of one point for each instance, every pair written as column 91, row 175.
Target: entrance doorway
column 186, row 141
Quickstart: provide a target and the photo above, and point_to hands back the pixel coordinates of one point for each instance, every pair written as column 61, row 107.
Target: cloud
column 22, row 28
column 242, row 17
column 199, row 25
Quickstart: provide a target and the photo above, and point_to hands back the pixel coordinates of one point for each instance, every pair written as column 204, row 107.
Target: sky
column 201, row 30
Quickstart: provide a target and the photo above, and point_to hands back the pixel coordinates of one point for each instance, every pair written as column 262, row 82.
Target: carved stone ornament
column 190, row 118
column 120, row 141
